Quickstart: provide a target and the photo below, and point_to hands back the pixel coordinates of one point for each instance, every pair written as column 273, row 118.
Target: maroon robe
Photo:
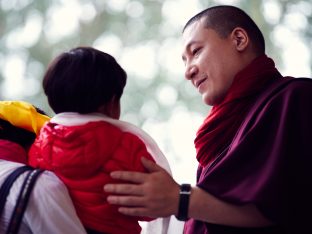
column 268, row 163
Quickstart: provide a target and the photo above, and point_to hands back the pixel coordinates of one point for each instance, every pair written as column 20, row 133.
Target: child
column 19, row 123
column 85, row 141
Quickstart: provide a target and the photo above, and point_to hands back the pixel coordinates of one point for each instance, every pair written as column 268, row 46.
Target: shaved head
column 223, row 19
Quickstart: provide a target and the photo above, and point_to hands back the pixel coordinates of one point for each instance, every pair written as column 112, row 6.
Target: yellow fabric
column 23, row 115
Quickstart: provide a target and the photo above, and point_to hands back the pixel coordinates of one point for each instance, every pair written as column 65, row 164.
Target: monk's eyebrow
column 187, row 48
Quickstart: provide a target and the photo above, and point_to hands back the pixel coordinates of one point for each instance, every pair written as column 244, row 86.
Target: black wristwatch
column 185, row 192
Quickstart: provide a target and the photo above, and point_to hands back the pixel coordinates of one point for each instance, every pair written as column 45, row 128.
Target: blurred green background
column 144, row 36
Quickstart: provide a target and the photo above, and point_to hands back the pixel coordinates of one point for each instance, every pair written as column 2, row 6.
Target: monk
column 253, row 148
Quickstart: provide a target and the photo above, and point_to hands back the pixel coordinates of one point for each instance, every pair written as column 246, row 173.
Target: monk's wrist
column 184, row 200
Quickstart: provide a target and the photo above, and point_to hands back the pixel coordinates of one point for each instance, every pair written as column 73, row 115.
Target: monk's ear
column 240, row 38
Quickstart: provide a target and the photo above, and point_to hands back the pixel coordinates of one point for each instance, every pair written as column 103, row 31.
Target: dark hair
column 82, row 80
column 223, row 19
column 18, row 135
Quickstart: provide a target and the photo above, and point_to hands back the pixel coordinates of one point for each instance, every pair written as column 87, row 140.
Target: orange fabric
column 83, row 156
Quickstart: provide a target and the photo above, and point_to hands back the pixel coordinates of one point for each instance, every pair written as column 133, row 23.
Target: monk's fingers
column 150, row 165
column 129, row 189
column 134, row 177
column 129, row 201
column 134, row 211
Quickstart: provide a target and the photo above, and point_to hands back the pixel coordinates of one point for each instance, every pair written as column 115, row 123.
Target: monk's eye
column 195, row 51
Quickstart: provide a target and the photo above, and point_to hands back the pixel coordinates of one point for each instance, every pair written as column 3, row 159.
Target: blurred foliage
column 144, row 97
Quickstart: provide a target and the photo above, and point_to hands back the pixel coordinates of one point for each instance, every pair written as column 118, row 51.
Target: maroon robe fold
column 268, row 163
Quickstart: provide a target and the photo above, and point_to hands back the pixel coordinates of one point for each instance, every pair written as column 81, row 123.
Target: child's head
column 85, row 80
column 20, row 122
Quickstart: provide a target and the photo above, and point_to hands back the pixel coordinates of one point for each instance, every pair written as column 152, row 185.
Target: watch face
column 186, row 188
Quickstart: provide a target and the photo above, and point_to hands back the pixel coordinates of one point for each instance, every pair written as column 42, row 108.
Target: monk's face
column 210, row 61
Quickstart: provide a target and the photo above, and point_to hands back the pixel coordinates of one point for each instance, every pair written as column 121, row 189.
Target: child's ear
column 104, row 109
column 114, row 107
column 111, row 109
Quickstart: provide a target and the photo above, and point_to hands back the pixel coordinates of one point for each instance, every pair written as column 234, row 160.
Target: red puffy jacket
column 83, row 157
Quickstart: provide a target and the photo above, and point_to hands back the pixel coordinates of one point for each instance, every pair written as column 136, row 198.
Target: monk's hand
column 152, row 194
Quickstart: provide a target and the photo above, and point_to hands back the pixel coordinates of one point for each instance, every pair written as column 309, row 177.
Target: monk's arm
column 156, row 194
column 203, row 206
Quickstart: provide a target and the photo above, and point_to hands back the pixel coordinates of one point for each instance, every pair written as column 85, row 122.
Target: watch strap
column 185, row 192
